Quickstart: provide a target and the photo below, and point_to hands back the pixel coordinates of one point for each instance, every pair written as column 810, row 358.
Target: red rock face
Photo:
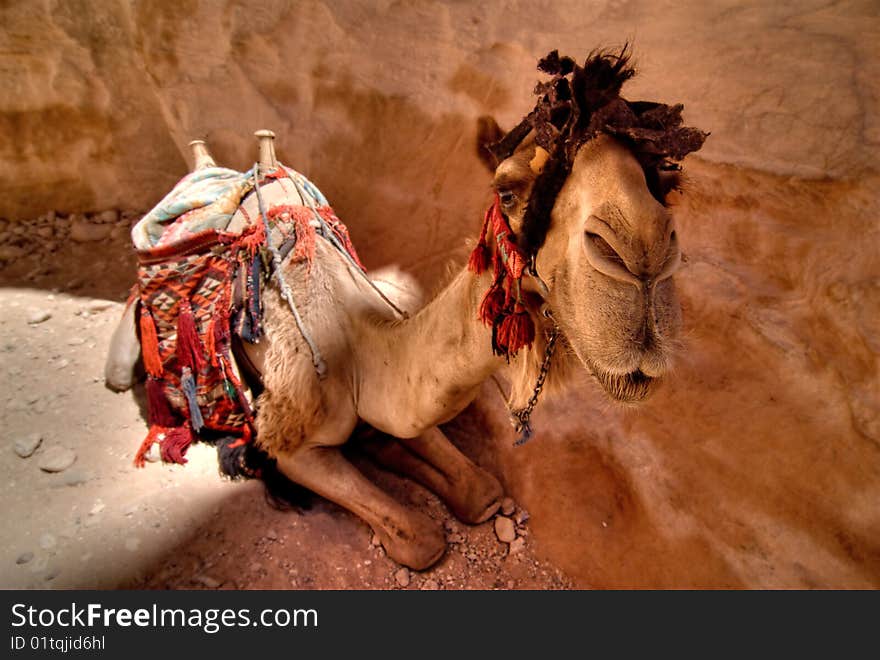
column 757, row 464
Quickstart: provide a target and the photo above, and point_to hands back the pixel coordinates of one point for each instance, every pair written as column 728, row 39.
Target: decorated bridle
column 574, row 106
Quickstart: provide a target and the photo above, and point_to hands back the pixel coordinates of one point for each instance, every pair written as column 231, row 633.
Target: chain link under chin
column 521, row 418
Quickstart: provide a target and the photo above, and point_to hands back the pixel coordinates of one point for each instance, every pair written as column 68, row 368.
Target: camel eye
column 507, row 197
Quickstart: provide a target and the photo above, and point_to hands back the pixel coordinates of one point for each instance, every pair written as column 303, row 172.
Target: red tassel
column 153, row 436
column 150, row 344
column 516, row 331
column 479, row 260
column 305, row 238
column 159, row 413
column 175, row 444
column 254, row 238
column 189, row 348
column 492, row 305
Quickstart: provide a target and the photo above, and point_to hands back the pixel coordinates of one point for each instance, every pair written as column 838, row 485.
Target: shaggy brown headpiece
column 577, row 104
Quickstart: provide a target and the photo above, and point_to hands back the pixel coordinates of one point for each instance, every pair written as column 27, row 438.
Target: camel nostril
column 604, row 258
column 605, row 249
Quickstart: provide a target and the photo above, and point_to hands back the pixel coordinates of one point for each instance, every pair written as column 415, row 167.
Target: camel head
column 582, row 182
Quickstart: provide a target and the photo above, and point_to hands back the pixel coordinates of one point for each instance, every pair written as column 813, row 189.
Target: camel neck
column 426, row 369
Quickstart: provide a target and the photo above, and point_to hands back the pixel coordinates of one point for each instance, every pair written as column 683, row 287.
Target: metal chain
column 521, row 418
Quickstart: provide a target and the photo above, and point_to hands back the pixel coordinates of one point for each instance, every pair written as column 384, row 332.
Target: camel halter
column 521, row 417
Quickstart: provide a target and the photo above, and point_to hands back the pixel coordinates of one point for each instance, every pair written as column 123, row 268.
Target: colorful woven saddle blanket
column 204, row 256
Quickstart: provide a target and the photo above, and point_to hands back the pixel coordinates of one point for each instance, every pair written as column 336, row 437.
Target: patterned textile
column 187, row 307
column 202, row 200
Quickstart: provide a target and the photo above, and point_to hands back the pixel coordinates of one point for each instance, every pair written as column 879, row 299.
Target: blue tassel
column 188, row 384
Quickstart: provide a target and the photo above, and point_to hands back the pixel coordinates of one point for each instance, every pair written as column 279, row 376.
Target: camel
column 584, row 208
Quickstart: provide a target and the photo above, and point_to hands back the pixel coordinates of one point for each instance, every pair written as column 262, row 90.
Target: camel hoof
column 481, row 497
column 418, row 548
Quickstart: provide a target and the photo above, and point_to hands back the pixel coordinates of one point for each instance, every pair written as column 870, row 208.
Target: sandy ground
column 102, row 523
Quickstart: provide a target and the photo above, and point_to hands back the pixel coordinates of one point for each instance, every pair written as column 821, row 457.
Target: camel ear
column 488, row 133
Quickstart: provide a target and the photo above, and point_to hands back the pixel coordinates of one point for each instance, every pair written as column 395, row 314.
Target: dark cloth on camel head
column 577, row 104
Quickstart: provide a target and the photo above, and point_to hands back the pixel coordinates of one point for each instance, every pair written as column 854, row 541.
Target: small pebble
column 24, row 557
column 430, row 585
column 39, row 316
column 402, row 577
column 57, row 459
column 26, row 446
column 504, row 529
column 508, row 506
column 521, row 516
column 207, row 581
column 517, row 545
column 272, row 535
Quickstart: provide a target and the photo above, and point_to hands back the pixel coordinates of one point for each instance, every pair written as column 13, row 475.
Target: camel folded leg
column 472, row 494
column 410, row 538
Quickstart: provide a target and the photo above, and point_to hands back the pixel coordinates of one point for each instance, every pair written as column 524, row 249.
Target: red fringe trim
column 516, row 331
column 150, row 344
column 189, row 348
column 501, row 306
column 159, row 412
column 152, row 436
column 175, row 444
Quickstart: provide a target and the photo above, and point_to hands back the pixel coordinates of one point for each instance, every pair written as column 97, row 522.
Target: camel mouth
column 633, row 387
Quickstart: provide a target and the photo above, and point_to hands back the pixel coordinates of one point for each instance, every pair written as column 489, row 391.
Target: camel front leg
column 409, row 537
column 472, row 494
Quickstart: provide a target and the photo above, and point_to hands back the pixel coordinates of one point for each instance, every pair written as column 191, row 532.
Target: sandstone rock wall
column 100, row 99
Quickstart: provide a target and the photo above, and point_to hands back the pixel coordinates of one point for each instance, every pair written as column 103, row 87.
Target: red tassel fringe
column 159, row 412
column 175, row 444
column 502, row 307
column 516, row 331
column 189, row 348
column 150, row 344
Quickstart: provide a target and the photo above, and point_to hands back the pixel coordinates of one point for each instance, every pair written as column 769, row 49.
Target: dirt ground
column 101, row 523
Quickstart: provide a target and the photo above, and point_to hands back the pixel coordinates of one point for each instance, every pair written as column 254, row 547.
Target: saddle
column 204, row 254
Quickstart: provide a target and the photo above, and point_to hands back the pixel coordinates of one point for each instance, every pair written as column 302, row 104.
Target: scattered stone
column 24, row 557
column 130, row 510
column 45, row 232
column 47, row 541
column 375, row 541
column 75, row 478
column 62, row 363
column 402, row 577
column 39, row 316
column 76, row 341
column 97, row 306
column 430, row 585
column 256, row 567
column 53, row 573
column 207, row 581
column 508, row 506
column 272, row 535
column 87, row 232
column 504, row 529
column 26, row 446
column 97, row 508
column 57, row 459
column 517, row 545
column 522, row 516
